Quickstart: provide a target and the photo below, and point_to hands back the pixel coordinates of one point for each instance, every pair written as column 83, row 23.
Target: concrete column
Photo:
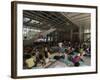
column 71, row 34
column 47, row 38
column 81, row 33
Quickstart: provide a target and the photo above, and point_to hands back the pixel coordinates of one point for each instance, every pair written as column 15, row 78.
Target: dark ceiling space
column 45, row 20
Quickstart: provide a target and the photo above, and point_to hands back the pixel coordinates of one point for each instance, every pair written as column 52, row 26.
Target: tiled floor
column 57, row 64
column 87, row 61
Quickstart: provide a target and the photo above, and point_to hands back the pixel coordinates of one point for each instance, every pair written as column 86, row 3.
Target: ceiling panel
column 80, row 19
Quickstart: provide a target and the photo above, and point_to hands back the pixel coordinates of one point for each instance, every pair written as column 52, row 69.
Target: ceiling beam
column 46, row 20
column 50, row 18
column 84, row 18
column 43, row 18
column 78, row 17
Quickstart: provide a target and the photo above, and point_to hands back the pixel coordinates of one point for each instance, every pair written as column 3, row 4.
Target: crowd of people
column 66, row 51
column 36, row 57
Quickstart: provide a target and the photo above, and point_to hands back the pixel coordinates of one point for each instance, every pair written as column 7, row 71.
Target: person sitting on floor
column 82, row 53
column 30, row 61
column 46, row 54
column 76, row 60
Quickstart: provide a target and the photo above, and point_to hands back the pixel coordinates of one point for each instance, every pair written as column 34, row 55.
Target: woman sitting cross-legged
column 30, row 61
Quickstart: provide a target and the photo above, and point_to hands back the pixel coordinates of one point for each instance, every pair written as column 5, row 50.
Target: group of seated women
column 36, row 57
column 39, row 57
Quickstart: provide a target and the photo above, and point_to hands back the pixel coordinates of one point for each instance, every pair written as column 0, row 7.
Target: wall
column 5, row 40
